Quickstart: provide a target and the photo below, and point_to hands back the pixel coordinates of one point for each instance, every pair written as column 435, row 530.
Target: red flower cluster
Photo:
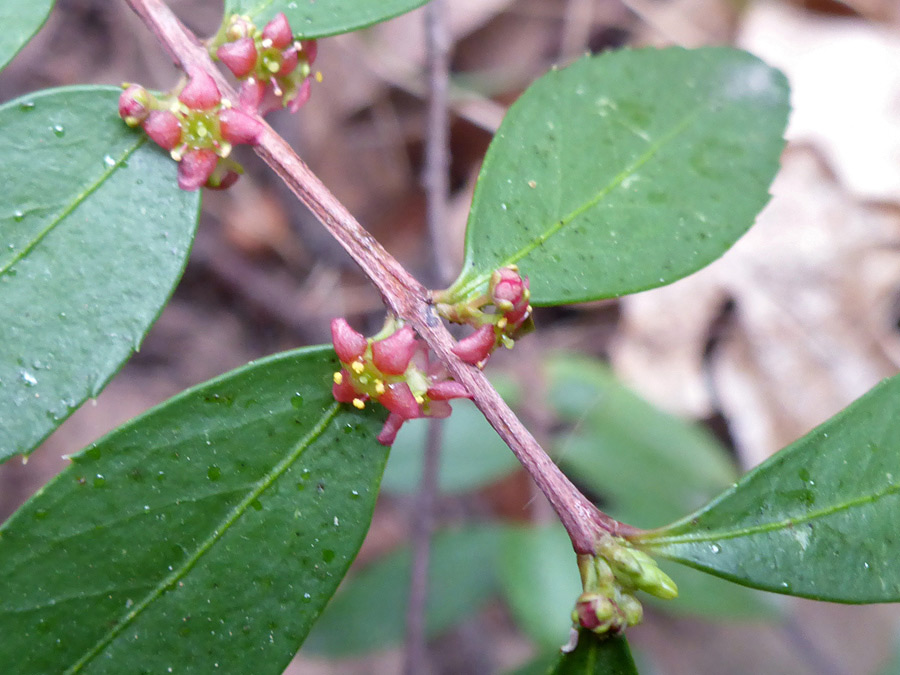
column 197, row 127
column 275, row 68
column 387, row 371
column 509, row 294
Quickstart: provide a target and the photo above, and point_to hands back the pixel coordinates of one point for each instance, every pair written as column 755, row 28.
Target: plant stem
column 404, row 296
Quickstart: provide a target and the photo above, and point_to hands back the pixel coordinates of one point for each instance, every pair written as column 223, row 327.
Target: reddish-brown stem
column 404, row 296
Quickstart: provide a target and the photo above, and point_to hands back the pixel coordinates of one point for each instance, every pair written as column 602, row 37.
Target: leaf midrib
column 264, row 484
column 78, row 200
column 482, row 278
column 774, row 525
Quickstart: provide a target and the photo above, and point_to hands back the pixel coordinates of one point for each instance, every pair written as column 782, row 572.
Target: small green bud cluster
column 610, row 580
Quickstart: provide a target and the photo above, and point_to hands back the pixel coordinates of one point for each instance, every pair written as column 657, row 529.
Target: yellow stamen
column 420, row 399
column 319, row 77
column 379, row 387
column 501, row 324
column 359, row 403
column 339, row 377
column 357, row 367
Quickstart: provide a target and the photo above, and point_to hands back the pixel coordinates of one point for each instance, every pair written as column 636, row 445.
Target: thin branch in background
column 416, row 657
column 578, row 21
column 403, row 294
column 437, row 195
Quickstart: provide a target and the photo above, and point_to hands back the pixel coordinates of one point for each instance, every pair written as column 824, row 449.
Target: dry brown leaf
column 845, row 83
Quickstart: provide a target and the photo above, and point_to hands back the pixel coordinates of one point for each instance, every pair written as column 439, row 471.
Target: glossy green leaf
column 818, row 519
column 650, row 466
column 626, row 171
column 94, row 235
column 597, row 656
column 19, row 21
column 320, row 18
column 472, row 454
column 369, row 612
column 204, row 536
column 540, row 580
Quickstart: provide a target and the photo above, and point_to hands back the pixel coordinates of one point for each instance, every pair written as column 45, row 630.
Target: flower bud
column 476, row 347
column 239, row 127
column 239, row 56
column 399, row 399
column 392, row 355
column 134, row 105
column 164, row 128
column 278, row 30
column 594, row 612
column 200, row 92
column 348, row 344
column 195, row 168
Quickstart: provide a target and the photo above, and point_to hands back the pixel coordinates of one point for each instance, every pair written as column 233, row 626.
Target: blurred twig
column 437, row 193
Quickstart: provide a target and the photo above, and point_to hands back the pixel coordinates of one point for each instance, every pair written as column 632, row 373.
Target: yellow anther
column 266, row 43
column 501, row 324
column 339, row 377
column 379, row 387
column 319, row 76
column 420, row 399
column 357, row 367
column 359, row 403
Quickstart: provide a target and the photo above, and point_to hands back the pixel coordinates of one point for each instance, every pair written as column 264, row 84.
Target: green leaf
column 320, row 18
column 20, row 21
column 650, row 465
column 817, row 520
column 369, row 612
column 204, row 536
column 472, row 454
column 596, row 656
column 541, row 583
column 94, row 235
column 626, row 171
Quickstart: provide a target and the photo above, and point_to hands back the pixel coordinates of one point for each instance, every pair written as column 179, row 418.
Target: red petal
column 348, row 344
column 201, row 92
column 240, row 56
column 476, row 347
column 389, row 430
column 163, row 127
column 301, row 97
column 310, row 49
column 251, row 95
column 288, row 62
column 278, row 30
column 239, row 127
column 344, row 392
column 392, row 355
column 449, row 389
column 399, row 399
column 195, row 168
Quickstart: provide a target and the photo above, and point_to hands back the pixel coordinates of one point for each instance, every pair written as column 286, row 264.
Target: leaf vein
column 264, row 484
